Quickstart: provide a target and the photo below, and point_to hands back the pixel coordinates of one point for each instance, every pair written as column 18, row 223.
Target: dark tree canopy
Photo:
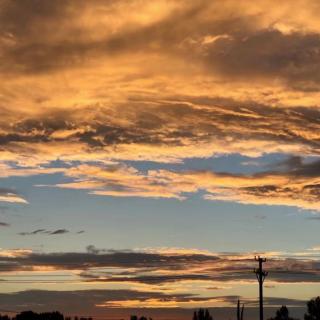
column 202, row 314
column 282, row 314
column 134, row 317
column 30, row 315
column 313, row 306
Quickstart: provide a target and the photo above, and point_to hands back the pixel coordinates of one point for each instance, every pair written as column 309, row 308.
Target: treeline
column 313, row 313
column 134, row 317
column 30, row 315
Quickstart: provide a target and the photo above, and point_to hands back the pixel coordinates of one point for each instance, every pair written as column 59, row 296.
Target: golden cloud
column 160, row 81
column 297, row 186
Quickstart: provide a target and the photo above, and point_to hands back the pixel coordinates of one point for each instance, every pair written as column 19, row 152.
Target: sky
column 150, row 149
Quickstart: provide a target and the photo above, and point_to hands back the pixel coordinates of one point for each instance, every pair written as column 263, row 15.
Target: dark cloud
column 92, row 249
column 7, row 191
column 44, row 231
column 102, row 258
column 89, row 302
column 33, row 232
column 52, row 122
column 118, row 259
column 59, row 231
column 139, row 267
column 277, row 301
column 269, row 53
column 297, row 166
column 24, row 18
column 244, row 50
column 27, row 39
column 80, row 301
column 34, row 53
column 186, row 122
column 147, row 279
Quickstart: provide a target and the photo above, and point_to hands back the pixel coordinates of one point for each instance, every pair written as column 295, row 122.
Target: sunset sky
column 149, row 149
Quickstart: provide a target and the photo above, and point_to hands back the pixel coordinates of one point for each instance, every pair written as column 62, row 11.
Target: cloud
column 151, row 278
column 83, row 301
column 169, row 31
column 159, row 268
column 8, row 195
column 271, row 54
column 290, row 183
column 59, row 231
column 219, row 80
column 44, row 231
column 33, row 232
column 163, row 121
column 101, row 303
column 92, row 301
column 158, row 130
column 97, row 85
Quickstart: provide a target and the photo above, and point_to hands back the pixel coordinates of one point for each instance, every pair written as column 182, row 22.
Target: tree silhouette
column 313, row 309
column 134, row 317
column 282, row 314
column 202, row 314
column 30, row 315
column 27, row 315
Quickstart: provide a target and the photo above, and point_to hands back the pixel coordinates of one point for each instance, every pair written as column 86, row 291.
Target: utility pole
column 261, row 275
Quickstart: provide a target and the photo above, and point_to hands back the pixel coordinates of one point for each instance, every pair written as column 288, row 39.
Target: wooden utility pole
column 261, row 275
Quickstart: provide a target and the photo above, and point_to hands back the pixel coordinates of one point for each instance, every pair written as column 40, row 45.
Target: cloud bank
column 162, row 81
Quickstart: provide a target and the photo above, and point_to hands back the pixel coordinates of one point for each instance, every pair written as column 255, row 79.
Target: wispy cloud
column 291, row 183
column 8, row 195
column 158, row 267
column 95, row 301
column 48, row 232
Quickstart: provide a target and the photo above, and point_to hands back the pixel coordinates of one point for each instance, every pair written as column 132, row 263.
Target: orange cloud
column 160, row 81
column 296, row 186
